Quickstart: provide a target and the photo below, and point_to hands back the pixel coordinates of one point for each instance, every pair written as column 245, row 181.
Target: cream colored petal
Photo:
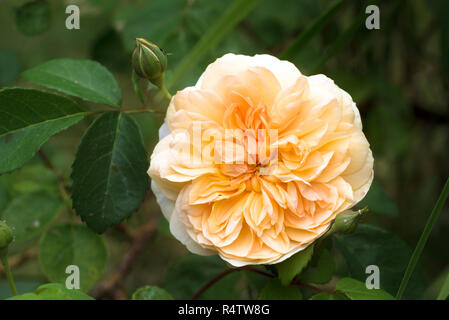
column 242, row 245
column 178, row 230
column 232, row 64
column 361, row 177
column 203, row 102
column 324, row 89
column 361, row 192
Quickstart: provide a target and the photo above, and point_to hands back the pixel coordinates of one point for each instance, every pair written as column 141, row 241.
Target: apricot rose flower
column 256, row 160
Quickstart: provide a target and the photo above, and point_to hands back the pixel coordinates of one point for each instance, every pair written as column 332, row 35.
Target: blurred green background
column 398, row 76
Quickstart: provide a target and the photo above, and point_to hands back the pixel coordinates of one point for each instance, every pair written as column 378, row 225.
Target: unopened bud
column 6, row 236
column 149, row 62
column 346, row 221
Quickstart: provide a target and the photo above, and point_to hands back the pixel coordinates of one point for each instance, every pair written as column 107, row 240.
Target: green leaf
column 110, row 171
column 29, row 214
column 357, row 290
column 444, row 292
column 53, row 291
column 293, row 266
column 25, row 296
column 33, row 17
column 68, row 244
column 28, row 118
column 275, row 290
column 151, row 293
column 328, row 296
column 321, row 296
column 370, row 245
column 320, row 272
column 85, row 79
column 379, row 201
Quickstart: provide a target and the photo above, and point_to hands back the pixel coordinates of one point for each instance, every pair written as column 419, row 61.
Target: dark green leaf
column 377, row 200
column 110, row 171
column 370, row 245
column 29, row 214
column 27, row 119
column 275, row 290
column 320, row 272
column 77, row 245
column 357, row 290
column 85, row 79
column 33, row 17
column 151, row 293
column 53, row 291
column 293, row 266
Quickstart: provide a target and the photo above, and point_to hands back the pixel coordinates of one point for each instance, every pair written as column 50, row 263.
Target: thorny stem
column 249, row 269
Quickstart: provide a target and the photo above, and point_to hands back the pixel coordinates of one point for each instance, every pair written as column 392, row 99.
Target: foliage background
column 397, row 75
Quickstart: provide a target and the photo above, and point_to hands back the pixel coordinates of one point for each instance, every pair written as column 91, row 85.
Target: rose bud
column 347, row 221
column 6, row 236
column 149, row 62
